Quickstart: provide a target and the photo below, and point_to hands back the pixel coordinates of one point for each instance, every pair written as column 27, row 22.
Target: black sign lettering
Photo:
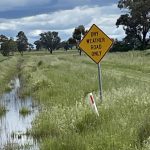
column 96, row 53
column 95, row 40
column 87, row 40
column 96, row 47
column 94, row 34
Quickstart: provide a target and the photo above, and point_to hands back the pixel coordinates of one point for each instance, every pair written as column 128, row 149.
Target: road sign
column 96, row 44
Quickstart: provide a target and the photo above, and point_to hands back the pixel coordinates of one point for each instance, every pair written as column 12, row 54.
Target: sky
column 37, row 16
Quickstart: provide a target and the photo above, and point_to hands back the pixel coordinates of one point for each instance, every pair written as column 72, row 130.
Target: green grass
column 61, row 82
column 8, row 67
column 2, row 110
column 15, row 146
column 24, row 111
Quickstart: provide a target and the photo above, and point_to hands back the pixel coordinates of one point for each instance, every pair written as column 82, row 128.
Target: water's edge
column 14, row 125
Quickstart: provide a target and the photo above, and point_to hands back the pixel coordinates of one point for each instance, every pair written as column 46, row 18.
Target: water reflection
column 13, row 126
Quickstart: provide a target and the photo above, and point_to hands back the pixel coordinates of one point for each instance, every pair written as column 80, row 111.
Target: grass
column 2, row 110
column 15, row 146
column 24, row 111
column 61, row 82
column 8, row 67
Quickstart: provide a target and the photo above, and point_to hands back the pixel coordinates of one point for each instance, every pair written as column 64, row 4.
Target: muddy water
column 13, row 126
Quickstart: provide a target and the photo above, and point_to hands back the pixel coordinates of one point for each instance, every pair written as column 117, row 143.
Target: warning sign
column 96, row 44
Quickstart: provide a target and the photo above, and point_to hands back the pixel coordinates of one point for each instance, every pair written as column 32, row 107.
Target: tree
column 30, row 46
column 121, row 46
column 136, row 21
column 22, row 42
column 50, row 40
column 8, row 46
column 77, row 35
column 66, row 46
column 38, row 44
column 3, row 38
column 72, row 42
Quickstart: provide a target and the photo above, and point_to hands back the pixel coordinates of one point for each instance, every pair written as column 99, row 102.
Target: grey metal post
column 100, row 81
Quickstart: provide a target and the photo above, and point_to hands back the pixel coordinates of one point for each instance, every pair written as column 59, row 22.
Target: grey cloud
column 65, row 21
column 6, row 5
column 23, row 8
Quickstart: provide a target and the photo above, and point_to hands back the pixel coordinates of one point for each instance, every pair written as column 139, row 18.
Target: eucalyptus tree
column 78, row 33
column 49, row 40
column 135, row 21
column 7, row 47
column 22, row 42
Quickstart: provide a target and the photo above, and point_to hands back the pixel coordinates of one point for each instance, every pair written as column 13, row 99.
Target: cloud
column 64, row 21
column 6, row 5
column 23, row 8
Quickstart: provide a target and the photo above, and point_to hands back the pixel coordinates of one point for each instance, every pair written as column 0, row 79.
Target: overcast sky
column 36, row 16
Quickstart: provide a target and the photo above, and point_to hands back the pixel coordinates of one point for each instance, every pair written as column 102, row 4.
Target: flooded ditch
column 14, row 125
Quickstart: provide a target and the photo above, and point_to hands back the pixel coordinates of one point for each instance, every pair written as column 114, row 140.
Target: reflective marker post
column 100, row 81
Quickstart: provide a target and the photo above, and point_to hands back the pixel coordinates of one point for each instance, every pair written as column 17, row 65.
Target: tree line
column 48, row 40
column 9, row 45
column 135, row 21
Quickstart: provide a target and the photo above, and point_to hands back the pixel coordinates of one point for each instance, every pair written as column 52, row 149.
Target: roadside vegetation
column 61, row 82
column 8, row 67
column 8, row 70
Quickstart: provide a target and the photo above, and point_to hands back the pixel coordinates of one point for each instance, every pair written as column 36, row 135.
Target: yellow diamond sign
column 96, row 44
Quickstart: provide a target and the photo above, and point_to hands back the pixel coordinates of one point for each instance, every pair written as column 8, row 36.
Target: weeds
column 24, row 111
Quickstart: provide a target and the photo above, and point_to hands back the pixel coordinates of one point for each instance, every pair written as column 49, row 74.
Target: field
column 60, row 84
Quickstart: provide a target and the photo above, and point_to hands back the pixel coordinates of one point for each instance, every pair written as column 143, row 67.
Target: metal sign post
column 100, row 81
column 96, row 44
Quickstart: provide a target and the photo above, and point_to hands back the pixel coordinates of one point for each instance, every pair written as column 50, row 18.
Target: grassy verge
column 8, row 67
column 60, row 83
column 8, row 70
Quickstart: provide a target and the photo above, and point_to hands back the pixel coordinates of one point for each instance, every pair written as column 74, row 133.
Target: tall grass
column 61, row 82
column 8, row 70
column 24, row 111
column 2, row 110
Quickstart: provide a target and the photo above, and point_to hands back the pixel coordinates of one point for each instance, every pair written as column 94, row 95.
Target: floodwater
column 13, row 125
